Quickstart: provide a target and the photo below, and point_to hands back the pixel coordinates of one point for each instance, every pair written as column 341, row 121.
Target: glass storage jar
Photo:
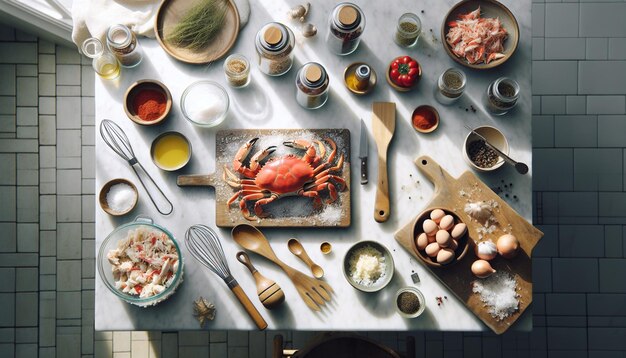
column 103, row 62
column 123, row 44
column 450, row 86
column 312, row 86
column 501, row 96
column 346, row 25
column 408, row 30
column 274, row 46
column 237, row 70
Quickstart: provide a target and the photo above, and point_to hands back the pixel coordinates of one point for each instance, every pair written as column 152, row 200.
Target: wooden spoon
column 383, row 127
column 270, row 294
column 297, row 249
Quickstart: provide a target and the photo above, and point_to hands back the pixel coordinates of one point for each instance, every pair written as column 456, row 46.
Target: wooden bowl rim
column 372, row 82
column 437, row 117
column 400, row 88
column 481, row 66
column 427, row 260
column 147, row 83
column 105, row 190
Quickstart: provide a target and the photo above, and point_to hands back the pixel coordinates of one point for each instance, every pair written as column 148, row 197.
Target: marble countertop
column 269, row 102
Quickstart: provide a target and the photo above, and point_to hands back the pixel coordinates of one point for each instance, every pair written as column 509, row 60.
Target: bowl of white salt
column 368, row 266
column 205, row 103
column 118, row 197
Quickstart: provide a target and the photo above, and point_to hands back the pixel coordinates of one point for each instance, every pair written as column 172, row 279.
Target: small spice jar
column 274, row 46
column 312, row 84
column 450, row 86
column 501, row 96
column 346, row 23
column 123, row 44
column 237, row 70
column 408, row 30
column 410, row 302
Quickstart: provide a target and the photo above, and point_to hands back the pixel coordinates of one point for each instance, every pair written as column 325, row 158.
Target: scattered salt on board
column 120, row 197
column 498, row 293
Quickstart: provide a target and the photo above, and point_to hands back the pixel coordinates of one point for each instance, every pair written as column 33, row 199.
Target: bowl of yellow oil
column 171, row 151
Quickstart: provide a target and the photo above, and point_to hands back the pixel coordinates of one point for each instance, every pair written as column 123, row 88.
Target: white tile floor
column 47, row 187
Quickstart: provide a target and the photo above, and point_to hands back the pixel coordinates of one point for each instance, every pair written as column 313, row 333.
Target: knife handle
column 381, row 206
column 363, row 171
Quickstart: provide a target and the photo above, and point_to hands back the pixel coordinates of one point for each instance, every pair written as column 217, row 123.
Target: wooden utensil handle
column 249, row 307
column 243, row 257
column 381, row 207
column 195, row 180
column 433, row 172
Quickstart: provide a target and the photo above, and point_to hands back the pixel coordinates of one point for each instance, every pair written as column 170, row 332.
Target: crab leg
column 336, row 178
column 242, row 192
column 310, row 155
column 332, row 191
column 244, row 207
column 258, row 157
column 241, row 155
column 317, row 201
column 258, row 206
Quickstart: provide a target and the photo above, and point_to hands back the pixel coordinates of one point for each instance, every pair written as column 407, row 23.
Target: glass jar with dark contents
column 274, row 46
column 312, row 86
column 346, row 23
column 123, row 44
column 450, row 86
column 501, row 96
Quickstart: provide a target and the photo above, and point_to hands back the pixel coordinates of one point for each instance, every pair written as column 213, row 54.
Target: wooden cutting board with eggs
column 488, row 218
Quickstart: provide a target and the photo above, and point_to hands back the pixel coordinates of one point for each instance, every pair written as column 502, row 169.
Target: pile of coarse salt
column 121, row 197
column 498, row 292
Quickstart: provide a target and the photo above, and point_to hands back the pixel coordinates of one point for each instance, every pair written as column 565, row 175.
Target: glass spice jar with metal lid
column 450, row 86
column 346, row 23
column 312, row 86
column 237, row 70
column 501, row 96
column 274, row 46
column 408, row 30
column 123, row 44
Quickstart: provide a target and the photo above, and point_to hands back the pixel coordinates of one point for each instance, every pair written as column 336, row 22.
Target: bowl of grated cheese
column 368, row 266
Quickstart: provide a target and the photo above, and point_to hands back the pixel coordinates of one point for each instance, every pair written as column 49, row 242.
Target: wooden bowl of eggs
column 440, row 237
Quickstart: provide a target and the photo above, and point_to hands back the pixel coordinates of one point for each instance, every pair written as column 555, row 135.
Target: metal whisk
column 204, row 245
column 117, row 140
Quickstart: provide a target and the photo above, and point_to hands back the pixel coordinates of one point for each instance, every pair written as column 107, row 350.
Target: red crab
column 288, row 175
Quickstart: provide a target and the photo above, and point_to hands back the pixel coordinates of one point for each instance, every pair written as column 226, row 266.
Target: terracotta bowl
column 460, row 251
column 134, row 90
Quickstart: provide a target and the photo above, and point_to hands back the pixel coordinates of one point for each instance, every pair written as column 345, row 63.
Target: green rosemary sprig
column 200, row 25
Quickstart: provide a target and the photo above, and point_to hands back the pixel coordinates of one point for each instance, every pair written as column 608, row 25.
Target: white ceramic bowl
column 495, row 137
column 381, row 282
column 420, row 298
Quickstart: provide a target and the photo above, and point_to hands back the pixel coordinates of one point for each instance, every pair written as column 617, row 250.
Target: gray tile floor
column 579, row 134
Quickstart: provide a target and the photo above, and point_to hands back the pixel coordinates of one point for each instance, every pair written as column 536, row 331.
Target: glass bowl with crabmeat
column 141, row 263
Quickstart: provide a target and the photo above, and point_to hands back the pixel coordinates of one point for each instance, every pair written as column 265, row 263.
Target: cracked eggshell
column 430, row 227
column 447, row 222
column 432, row 249
column 436, row 215
column 445, row 256
column 443, row 238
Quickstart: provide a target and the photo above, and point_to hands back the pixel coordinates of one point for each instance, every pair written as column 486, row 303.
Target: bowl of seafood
column 440, row 237
column 141, row 263
column 480, row 34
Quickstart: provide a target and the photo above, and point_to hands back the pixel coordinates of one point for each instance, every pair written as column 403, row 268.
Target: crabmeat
column 477, row 39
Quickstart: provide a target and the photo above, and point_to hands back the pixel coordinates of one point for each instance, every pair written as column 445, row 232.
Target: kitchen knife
column 363, row 148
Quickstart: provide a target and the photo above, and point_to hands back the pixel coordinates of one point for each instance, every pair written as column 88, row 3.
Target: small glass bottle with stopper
column 312, row 86
column 123, row 44
column 450, row 86
column 501, row 96
column 103, row 62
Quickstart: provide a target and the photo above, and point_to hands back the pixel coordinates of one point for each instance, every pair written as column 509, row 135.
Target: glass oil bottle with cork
column 274, row 46
column 346, row 25
column 312, row 86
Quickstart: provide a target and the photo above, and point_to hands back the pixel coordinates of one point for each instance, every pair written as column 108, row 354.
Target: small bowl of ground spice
column 425, row 119
column 410, row 302
column 479, row 155
column 147, row 102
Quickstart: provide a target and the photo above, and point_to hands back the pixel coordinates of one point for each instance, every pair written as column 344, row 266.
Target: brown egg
column 421, row 241
column 453, row 244
column 436, row 215
column 459, row 230
column 431, row 238
column 432, row 249
column 430, row 227
column 445, row 256
column 447, row 222
column 443, row 238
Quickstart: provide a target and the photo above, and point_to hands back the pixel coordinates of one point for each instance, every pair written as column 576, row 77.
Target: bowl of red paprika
column 425, row 119
column 404, row 73
column 147, row 102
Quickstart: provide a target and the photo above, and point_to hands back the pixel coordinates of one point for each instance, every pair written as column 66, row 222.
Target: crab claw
column 242, row 153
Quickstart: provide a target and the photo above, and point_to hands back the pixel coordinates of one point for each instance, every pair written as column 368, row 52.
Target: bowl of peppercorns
column 479, row 155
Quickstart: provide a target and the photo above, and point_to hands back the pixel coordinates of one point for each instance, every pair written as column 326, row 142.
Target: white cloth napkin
column 92, row 18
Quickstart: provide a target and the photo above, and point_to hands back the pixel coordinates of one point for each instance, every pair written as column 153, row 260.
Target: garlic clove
column 508, row 246
column 436, row 215
column 482, row 269
column 308, row 30
column 486, row 250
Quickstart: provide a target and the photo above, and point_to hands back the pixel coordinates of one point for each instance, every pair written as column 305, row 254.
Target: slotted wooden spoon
column 313, row 292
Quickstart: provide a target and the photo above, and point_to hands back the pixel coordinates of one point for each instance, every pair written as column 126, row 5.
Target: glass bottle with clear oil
column 102, row 61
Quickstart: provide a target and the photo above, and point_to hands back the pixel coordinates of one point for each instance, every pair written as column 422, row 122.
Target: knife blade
column 363, row 149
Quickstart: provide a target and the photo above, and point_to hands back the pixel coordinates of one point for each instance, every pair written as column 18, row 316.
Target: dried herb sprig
column 200, row 25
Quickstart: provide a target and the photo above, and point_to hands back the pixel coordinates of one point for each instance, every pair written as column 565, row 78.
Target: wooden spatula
column 383, row 127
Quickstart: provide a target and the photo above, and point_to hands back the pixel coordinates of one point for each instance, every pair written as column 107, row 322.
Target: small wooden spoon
column 297, row 249
column 270, row 294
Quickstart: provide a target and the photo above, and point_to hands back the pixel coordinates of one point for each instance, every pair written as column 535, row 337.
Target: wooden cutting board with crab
column 280, row 177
